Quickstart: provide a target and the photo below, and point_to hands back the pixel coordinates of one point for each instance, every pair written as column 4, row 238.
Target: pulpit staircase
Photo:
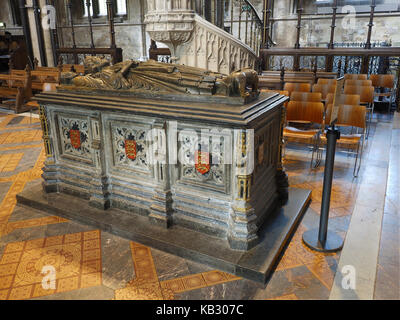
column 221, row 36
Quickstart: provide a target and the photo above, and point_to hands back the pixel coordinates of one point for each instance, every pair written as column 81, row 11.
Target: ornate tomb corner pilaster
column 49, row 174
column 242, row 234
column 161, row 207
column 100, row 183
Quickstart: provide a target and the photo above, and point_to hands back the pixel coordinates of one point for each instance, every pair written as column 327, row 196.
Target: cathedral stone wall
column 6, row 17
column 129, row 33
column 316, row 29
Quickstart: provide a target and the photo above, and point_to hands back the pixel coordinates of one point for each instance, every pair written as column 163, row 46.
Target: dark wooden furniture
column 16, row 90
column 12, row 52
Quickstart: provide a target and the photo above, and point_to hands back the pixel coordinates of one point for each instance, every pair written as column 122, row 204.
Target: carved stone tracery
column 184, row 32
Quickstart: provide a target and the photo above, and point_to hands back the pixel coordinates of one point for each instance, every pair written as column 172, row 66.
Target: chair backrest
column 382, row 80
column 348, row 115
column 362, row 83
column 306, row 96
column 355, row 76
column 324, row 89
column 330, row 82
column 297, row 86
column 351, row 99
column 366, row 93
column 305, row 111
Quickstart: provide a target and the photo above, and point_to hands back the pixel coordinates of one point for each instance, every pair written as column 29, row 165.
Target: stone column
column 47, row 34
column 161, row 207
column 49, row 175
column 170, row 22
column 100, row 188
column 242, row 234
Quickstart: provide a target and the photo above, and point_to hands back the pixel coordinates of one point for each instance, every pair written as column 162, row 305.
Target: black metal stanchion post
column 321, row 239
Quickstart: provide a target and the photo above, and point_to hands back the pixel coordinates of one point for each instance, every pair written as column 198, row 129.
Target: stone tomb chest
column 206, row 163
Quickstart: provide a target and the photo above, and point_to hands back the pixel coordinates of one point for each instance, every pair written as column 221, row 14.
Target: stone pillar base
column 242, row 244
column 243, row 229
column 161, row 209
column 50, row 182
column 99, row 203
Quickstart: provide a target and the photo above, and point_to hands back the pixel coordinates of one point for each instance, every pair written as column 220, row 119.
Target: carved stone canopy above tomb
column 166, row 81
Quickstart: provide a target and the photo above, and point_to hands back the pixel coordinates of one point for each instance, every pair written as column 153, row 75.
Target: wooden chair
column 329, row 82
column 324, row 89
column 366, row 98
column 356, row 76
column 350, row 99
column 306, row 96
column 304, row 112
column 362, row 83
column 299, row 87
column 350, row 116
column 381, row 82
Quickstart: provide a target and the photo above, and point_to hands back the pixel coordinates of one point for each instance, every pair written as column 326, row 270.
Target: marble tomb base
column 256, row 264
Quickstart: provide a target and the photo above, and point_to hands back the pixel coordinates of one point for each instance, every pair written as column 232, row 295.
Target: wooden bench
column 42, row 75
column 39, row 77
column 311, row 75
column 275, row 80
column 78, row 68
column 16, row 89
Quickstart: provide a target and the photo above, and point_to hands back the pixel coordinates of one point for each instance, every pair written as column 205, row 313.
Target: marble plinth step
column 256, row 264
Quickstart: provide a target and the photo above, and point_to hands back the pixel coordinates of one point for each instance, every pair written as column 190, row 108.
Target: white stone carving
column 193, row 41
column 202, row 161
column 75, row 140
column 130, row 147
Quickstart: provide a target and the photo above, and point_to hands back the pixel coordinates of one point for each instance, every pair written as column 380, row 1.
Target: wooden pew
column 39, row 77
column 42, row 75
column 301, row 74
column 17, row 88
column 78, row 68
column 275, row 80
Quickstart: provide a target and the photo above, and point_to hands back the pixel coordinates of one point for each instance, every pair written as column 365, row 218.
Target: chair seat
column 346, row 140
column 292, row 133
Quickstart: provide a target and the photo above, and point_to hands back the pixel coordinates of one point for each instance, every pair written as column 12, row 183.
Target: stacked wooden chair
column 366, row 94
column 297, row 87
column 355, row 76
column 305, row 118
column 384, row 86
column 353, row 116
column 324, row 89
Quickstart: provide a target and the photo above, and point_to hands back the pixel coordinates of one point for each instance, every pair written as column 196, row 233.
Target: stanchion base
column 333, row 241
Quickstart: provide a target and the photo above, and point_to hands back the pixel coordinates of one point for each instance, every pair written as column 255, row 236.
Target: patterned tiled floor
column 90, row 264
